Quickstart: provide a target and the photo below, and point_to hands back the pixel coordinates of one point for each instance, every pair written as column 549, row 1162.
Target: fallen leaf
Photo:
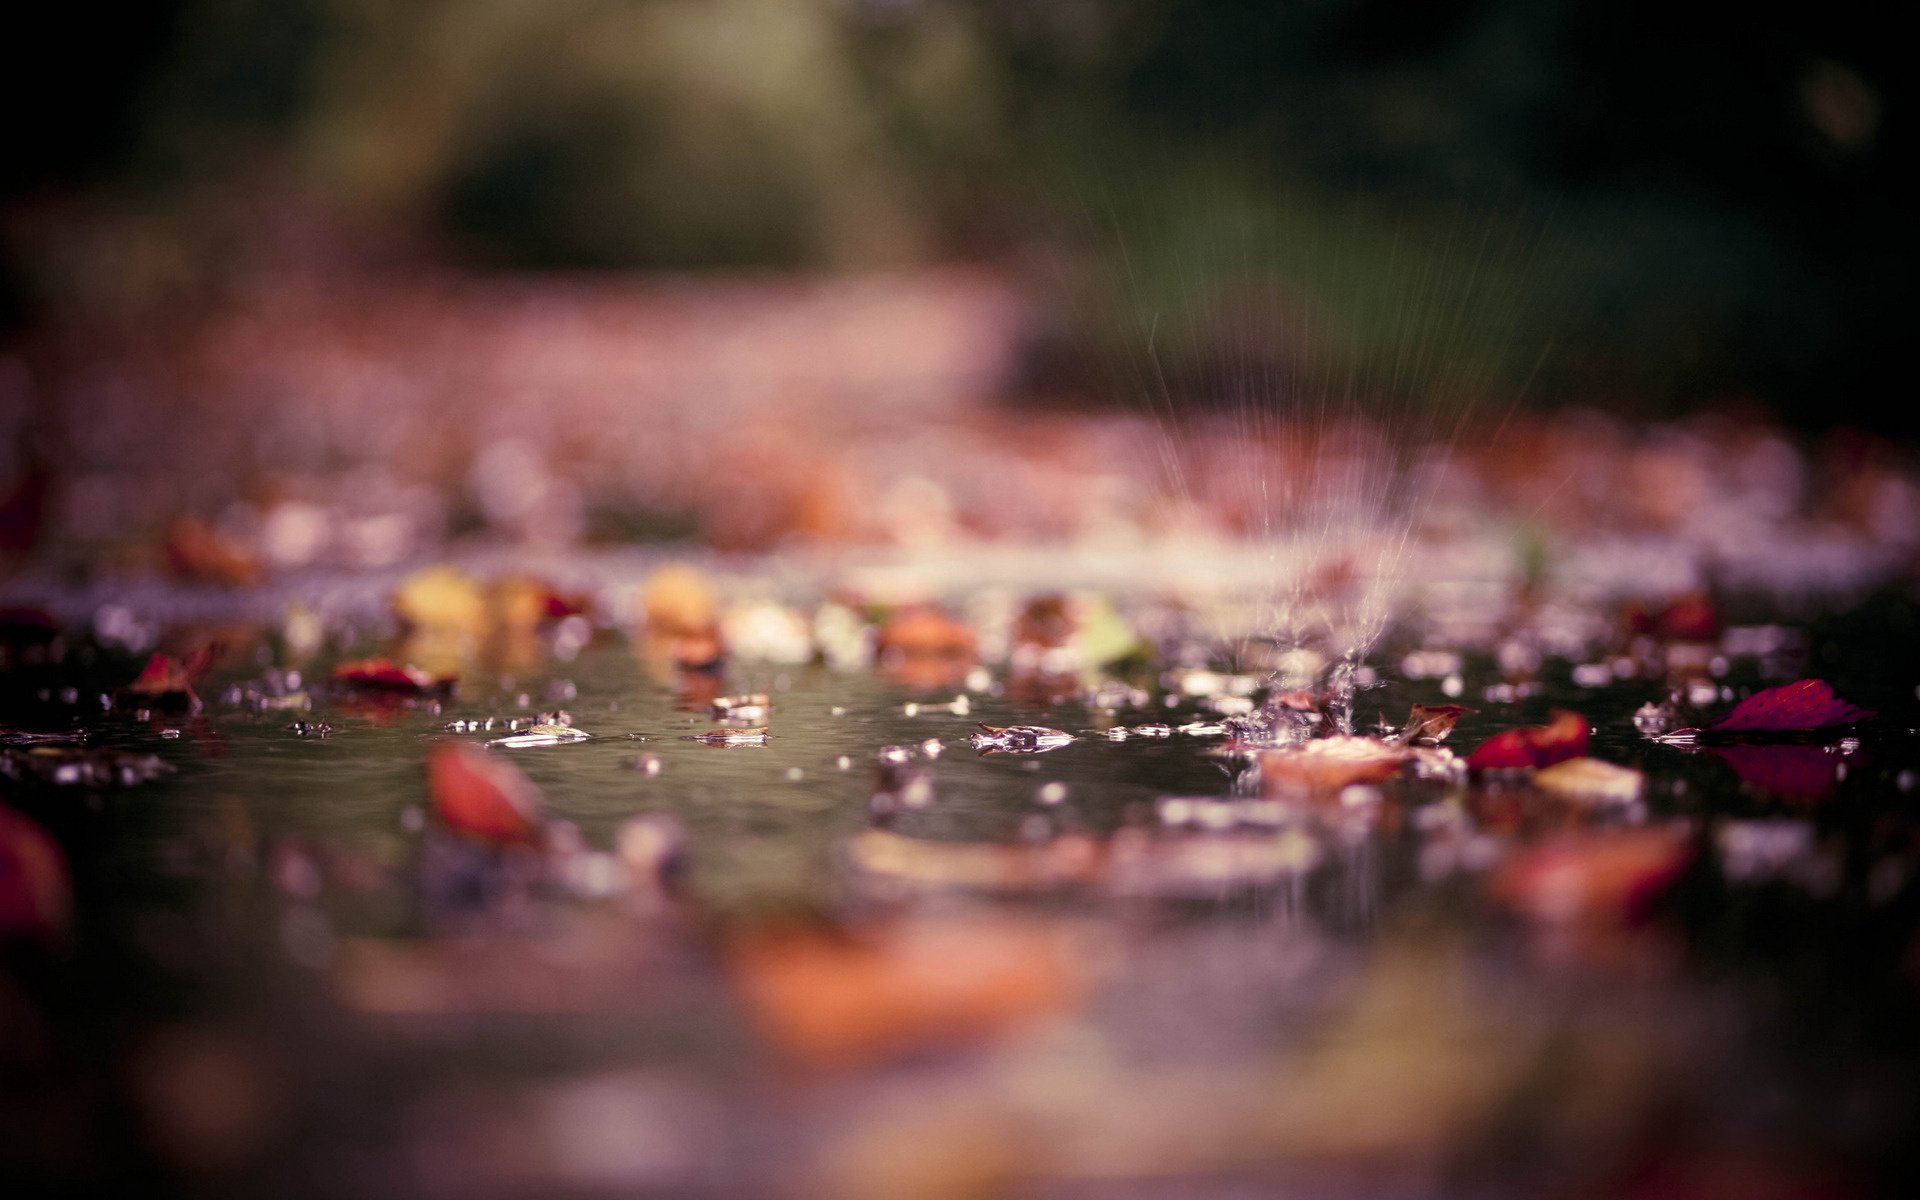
column 35, row 894
column 1564, row 736
column 1805, row 705
column 169, row 681
column 482, row 795
column 1432, row 721
column 832, row 998
column 385, row 675
column 1590, row 780
column 1609, row 877
column 1330, row 764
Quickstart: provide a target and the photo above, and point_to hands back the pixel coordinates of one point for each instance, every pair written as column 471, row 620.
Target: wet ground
column 867, row 958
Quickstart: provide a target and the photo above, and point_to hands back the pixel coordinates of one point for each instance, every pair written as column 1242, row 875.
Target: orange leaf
column 482, row 795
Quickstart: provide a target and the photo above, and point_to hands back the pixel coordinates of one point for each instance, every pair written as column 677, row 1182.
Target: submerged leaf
column 1807, row 704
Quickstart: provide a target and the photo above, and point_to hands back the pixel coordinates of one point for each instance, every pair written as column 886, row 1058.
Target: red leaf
column 1807, row 704
column 160, row 676
column 1563, row 737
column 1796, row 772
column 1509, row 751
column 1608, row 878
column 1691, row 618
column 385, row 675
column 35, row 897
column 482, row 795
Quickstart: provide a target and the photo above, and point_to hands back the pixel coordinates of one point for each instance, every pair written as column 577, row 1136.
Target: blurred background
column 261, row 241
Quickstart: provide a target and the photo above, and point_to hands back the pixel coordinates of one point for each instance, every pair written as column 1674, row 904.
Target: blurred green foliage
column 1395, row 197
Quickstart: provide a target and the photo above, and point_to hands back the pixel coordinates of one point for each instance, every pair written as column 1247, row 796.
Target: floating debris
column 545, row 734
column 1654, row 720
column 959, row 706
column 1112, row 695
column 752, row 707
column 1019, row 739
column 21, row 737
column 1154, row 730
column 1206, row 729
column 756, row 736
column 75, row 766
column 310, row 729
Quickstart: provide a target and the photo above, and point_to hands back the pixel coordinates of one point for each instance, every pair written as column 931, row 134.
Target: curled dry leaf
column 35, row 894
column 1563, row 737
column 1802, row 706
column 1432, row 722
column 482, row 795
